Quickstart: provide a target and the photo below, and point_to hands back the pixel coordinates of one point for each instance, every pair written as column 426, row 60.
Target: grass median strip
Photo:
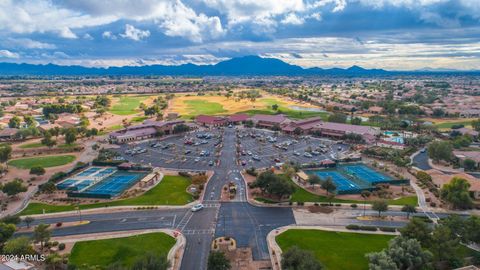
column 333, row 248
column 171, row 191
column 124, row 251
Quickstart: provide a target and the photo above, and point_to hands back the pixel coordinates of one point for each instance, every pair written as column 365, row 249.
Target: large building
column 144, row 131
column 211, row 121
column 269, row 121
column 338, row 130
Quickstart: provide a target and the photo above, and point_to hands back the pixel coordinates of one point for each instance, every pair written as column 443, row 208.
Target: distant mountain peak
column 249, row 65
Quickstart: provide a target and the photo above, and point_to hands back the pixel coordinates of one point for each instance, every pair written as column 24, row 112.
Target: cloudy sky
column 389, row 34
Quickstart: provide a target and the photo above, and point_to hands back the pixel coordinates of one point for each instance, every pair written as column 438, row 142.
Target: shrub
column 387, row 229
column 61, row 246
column 37, row 170
column 368, row 228
column 354, row 205
column 353, row 227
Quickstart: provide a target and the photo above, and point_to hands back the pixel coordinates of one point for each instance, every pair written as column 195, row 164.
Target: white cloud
column 135, row 34
column 292, row 18
column 87, row 36
column 65, row 32
column 29, row 43
column 108, row 35
column 8, row 54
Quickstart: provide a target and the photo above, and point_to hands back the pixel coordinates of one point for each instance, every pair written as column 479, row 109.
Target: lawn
column 45, row 161
column 196, row 107
column 139, row 119
column 171, row 191
column 335, row 250
column 122, row 250
column 302, row 195
column 127, row 105
column 31, row 145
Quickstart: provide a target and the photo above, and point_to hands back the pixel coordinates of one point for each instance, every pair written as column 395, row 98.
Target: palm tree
column 365, row 194
column 409, row 209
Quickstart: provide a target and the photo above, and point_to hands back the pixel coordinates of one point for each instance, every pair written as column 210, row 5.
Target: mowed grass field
column 335, row 250
column 171, row 191
column 191, row 106
column 124, row 250
column 127, row 105
column 42, row 161
column 447, row 123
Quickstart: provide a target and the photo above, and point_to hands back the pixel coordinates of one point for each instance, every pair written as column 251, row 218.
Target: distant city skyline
column 387, row 34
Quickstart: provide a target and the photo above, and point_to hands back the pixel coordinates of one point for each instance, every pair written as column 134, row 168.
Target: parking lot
column 263, row 148
column 201, row 149
column 196, row 150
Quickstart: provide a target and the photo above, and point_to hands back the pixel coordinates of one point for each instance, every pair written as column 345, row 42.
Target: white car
column 197, row 207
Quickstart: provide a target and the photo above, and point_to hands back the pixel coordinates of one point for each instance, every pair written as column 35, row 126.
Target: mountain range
column 240, row 66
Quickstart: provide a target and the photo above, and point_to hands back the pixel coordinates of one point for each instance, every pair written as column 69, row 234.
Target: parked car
column 306, row 154
column 210, row 163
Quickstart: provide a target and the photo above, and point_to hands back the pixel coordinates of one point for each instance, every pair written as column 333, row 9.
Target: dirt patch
column 319, row 209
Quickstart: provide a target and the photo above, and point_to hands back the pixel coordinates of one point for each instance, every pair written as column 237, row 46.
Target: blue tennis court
column 342, row 183
column 83, row 184
column 89, row 171
column 365, row 173
column 66, row 184
column 115, row 184
column 104, row 172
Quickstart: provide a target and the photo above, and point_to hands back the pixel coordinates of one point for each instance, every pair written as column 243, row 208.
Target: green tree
column 14, row 122
column 37, row 170
column 54, row 261
column 417, row 229
column 365, row 195
column 29, row 120
column 28, row 220
column 476, row 124
column 70, row 136
column 380, row 206
column 409, row 209
column 274, row 107
column 47, row 139
column 151, row 262
column 469, row 164
column 356, row 121
column 41, row 234
column 14, row 187
column 18, row 246
column 314, row 179
column 5, row 152
column 6, row 231
column 297, row 259
column 440, row 150
column 218, row 261
column 381, row 261
column 337, row 118
column 405, row 253
column 456, row 192
column 328, row 185
column 444, row 245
